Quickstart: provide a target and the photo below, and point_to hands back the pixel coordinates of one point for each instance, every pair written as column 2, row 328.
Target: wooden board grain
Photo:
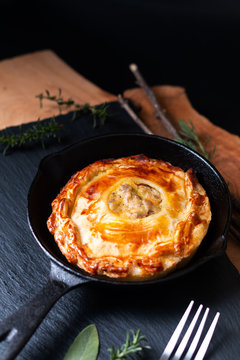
column 24, row 77
column 175, row 102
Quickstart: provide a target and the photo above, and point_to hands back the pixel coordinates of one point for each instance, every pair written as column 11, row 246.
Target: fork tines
column 170, row 352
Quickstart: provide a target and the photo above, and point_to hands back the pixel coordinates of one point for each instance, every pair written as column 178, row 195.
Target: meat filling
column 136, row 202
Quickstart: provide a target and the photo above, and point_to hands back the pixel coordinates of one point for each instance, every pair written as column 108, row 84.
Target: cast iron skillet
column 53, row 173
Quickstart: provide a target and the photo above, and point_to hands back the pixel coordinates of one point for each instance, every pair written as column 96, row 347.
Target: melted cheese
column 132, row 217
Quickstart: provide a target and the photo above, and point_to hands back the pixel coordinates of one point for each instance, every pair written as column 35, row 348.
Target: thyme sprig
column 98, row 113
column 37, row 132
column 41, row 131
column 189, row 137
column 130, row 347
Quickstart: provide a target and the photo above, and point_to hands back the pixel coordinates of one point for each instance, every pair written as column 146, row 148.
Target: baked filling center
column 135, row 201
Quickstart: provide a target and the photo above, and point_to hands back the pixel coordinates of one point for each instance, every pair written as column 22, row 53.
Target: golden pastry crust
column 134, row 218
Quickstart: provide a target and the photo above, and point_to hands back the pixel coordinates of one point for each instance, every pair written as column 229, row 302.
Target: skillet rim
column 179, row 272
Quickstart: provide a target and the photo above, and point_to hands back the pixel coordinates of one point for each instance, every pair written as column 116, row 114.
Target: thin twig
column 150, row 94
column 133, row 115
column 235, row 202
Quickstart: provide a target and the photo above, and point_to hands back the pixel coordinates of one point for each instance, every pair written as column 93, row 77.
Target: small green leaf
column 190, row 138
column 130, row 347
column 85, row 345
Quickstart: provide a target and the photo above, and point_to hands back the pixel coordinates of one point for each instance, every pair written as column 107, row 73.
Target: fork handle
column 19, row 327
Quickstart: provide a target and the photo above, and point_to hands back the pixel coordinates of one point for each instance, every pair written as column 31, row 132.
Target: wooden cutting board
column 24, row 77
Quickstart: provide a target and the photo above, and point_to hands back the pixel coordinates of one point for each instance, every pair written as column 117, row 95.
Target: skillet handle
column 19, row 327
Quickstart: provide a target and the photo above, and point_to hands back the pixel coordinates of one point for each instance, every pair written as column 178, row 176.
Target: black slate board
column 155, row 309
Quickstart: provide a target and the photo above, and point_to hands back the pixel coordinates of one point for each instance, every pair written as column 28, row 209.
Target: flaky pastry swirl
column 134, row 217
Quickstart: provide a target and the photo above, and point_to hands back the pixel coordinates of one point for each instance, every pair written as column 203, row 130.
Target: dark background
column 194, row 44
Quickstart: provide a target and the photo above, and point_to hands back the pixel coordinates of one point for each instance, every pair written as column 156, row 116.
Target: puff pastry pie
column 134, row 218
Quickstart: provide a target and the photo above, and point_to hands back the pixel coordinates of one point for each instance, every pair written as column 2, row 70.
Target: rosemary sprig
column 98, row 113
column 130, row 347
column 190, row 138
column 40, row 131
column 37, row 132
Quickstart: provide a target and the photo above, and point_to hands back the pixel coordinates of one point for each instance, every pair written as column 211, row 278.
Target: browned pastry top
column 133, row 217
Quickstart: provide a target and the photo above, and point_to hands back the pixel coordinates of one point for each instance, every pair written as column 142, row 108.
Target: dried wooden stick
column 133, row 115
column 161, row 115
column 235, row 225
column 150, row 94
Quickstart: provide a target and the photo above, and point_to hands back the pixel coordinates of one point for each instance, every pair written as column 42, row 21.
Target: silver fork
column 169, row 349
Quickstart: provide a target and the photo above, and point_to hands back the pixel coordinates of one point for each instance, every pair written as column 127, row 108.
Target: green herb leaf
column 100, row 113
column 37, row 132
column 130, row 347
column 85, row 345
column 190, row 138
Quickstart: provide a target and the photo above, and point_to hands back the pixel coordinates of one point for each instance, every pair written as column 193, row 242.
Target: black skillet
column 53, row 173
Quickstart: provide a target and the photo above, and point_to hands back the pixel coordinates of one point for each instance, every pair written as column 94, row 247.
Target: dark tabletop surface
column 188, row 43
column 154, row 309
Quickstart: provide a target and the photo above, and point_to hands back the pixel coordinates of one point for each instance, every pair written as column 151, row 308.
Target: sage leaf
column 85, row 345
